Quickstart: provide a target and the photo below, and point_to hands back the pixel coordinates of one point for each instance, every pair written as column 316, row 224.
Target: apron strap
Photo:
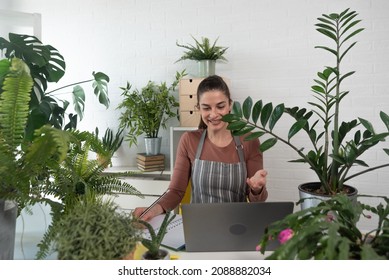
column 238, row 146
column 201, row 143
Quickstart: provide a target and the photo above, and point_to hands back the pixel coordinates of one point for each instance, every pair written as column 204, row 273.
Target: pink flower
column 285, row 235
column 330, row 217
column 258, row 248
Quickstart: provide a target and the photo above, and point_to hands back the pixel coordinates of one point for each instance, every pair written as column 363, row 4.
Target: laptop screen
column 234, row 226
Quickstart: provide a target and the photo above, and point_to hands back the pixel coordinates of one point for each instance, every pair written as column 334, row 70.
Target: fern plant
column 24, row 165
column 76, row 177
column 203, row 50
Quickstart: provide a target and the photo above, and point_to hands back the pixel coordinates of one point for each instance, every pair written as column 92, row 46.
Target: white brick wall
column 271, row 56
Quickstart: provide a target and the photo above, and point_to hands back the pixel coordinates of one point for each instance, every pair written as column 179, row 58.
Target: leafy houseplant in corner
column 338, row 145
column 153, row 243
column 205, row 53
column 24, row 165
column 48, row 65
column 329, row 231
column 94, row 229
column 147, row 110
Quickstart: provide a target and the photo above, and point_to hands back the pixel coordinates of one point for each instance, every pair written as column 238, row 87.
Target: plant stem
column 73, row 84
column 366, row 170
column 335, row 165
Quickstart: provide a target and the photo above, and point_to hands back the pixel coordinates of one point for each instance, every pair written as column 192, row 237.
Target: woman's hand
column 155, row 211
column 257, row 182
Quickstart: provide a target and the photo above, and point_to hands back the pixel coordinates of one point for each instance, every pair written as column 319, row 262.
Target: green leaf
column 296, row 127
column 327, row 49
column 386, row 151
column 276, row 115
column 243, row 131
column 367, row 125
column 237, row 109
column 327, row 33
column 266, row 113
column 100, row 86
column 4, row 67
column 257, row 111
column 385, row 119
column 247, row 104
column 318, row 89
column 230, row 118
column 267, row 144
column 79, row 100
column 237, row 125
column 254, row 135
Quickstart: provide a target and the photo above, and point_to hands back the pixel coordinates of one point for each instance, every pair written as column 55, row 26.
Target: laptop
column 236, row 226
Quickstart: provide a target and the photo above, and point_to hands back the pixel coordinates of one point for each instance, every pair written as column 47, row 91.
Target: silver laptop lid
column 230, row 226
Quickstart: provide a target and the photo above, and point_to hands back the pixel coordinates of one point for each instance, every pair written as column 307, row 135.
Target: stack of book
column 150, row 163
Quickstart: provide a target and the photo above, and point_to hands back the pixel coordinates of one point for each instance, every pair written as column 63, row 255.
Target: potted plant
column 147, row 110
column 336, row 145
column 72, row 181
column 47, row 65
column 33, row 143
column 95, row 229
column 154, row 241
column 107, row 145
column 24, row 165
column 330, row 231
column 205, row 53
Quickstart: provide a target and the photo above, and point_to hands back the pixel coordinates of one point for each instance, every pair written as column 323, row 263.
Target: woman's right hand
column 155, row 211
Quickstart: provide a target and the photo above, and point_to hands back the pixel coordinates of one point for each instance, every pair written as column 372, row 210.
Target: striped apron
column 214, row 181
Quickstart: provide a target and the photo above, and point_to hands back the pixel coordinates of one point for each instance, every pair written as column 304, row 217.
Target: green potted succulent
column 154, row 241
column 24, row 165
column 205, row 53
column 95, row 229
column 335, row 145
column 330, row 231
column 147, row 110
column 107, row 145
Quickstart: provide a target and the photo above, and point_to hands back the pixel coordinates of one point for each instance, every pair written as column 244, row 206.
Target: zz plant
column 336, row 145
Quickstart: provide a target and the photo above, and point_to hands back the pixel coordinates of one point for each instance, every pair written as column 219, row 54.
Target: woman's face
column 213, row 105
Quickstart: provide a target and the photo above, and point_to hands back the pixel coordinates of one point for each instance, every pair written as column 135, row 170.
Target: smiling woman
column 220, row 167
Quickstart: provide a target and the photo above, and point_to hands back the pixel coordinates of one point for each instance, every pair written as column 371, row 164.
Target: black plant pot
column 308, row 192
column 162, row 255
column 8, row 215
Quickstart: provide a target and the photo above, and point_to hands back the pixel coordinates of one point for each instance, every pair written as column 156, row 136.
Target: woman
column 221, row 167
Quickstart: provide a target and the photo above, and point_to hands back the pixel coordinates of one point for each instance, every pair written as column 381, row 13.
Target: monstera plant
column 46, row 66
